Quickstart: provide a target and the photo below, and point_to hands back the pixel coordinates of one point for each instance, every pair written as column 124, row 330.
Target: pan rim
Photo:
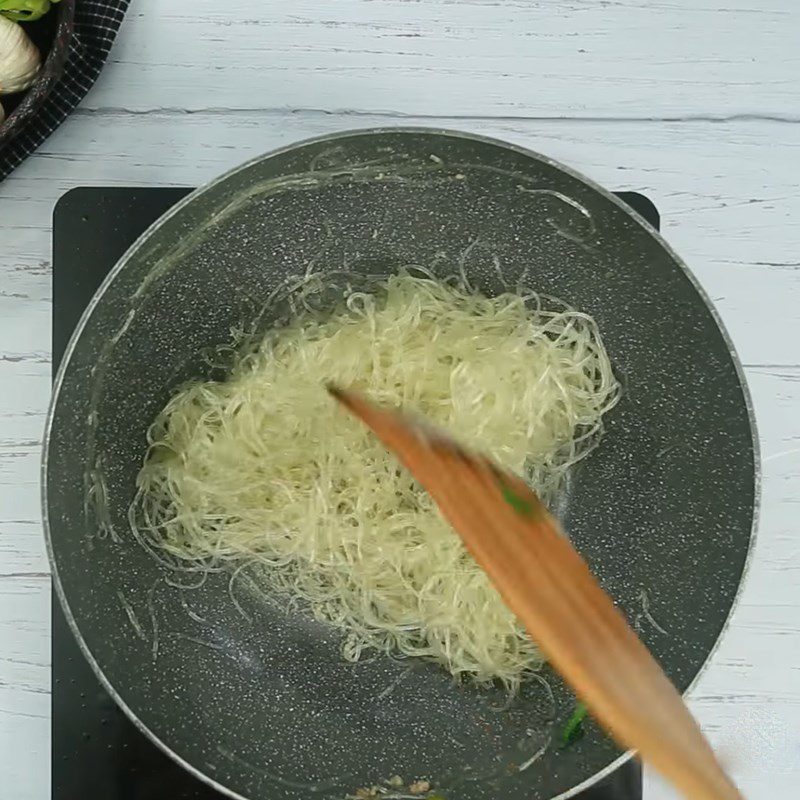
column 332, row 137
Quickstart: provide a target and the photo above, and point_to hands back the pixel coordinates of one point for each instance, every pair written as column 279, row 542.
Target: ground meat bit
column 419, row 787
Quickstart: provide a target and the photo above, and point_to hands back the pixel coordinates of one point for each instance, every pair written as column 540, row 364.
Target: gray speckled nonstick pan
column 263, row 705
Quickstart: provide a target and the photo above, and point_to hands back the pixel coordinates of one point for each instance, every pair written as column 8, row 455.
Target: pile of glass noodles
column 265, row 469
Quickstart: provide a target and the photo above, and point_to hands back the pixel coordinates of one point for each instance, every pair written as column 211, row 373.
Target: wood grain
column 192, row 91
column 509, row 58
column 581, row 632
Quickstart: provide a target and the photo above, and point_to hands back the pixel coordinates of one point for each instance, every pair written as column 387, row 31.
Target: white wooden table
column 695, row 102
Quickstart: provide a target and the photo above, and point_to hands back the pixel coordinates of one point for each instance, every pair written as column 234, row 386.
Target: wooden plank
column 24, row 686
column 560, row 58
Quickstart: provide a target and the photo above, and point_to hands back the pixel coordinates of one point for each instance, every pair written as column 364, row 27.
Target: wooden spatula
column 548, row 585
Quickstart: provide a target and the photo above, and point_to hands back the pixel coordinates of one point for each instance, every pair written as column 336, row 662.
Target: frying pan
column 254, row 696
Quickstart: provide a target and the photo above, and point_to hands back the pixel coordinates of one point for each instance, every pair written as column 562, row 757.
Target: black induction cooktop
column 97, row 753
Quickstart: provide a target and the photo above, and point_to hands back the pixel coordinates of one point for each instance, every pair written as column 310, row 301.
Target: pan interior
column 263, row 703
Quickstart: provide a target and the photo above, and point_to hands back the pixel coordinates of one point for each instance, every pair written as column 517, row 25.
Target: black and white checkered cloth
column 96, row 26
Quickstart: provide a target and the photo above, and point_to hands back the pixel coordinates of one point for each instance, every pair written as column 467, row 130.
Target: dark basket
column 52, row 35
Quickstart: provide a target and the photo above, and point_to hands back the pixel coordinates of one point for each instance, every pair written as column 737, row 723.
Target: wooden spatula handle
column 549, row 587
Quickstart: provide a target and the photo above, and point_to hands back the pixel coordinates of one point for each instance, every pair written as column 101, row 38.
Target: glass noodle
column 263, row 470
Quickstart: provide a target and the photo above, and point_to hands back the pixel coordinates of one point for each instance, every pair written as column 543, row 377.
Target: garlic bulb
column 19, row 58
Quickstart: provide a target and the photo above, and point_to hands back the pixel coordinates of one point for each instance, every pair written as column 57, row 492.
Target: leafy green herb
column 519, row 504
column 25, row 10
column 573, row 730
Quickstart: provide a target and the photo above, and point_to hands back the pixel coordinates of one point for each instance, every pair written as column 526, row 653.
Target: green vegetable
column 573, row 730
column 25, row 10
column 519, row 504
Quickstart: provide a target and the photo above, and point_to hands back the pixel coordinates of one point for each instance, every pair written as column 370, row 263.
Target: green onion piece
column 573, row 730
column 25, row 10
column 519, row 504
